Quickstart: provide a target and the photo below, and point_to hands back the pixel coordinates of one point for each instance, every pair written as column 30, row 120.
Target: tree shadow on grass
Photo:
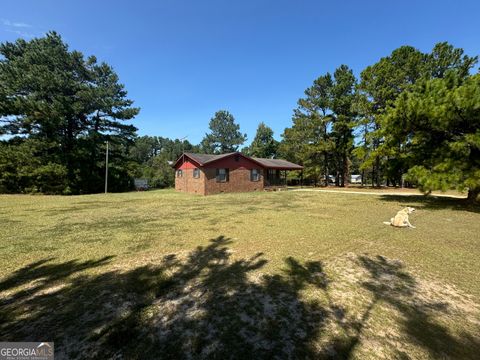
column 389, row 283
column 432, row 202
column 221, row 312
column 205, row 305
column 43, row 274
column 202, row 306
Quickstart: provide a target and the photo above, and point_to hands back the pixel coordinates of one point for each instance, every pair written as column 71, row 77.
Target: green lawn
column 253, row 275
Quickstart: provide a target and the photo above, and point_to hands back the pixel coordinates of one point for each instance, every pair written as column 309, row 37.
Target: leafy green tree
column 153, row 156
column 146, row 147
column 299, row 143
column 224, row 136
column 263, row 145
column 158, row 171
column 23, row 170
column 57, row 97
column 438, row 125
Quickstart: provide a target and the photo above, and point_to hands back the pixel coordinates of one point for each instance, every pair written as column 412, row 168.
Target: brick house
column 233, row 172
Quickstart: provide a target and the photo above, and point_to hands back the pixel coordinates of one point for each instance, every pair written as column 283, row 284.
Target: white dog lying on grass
column 401, row 219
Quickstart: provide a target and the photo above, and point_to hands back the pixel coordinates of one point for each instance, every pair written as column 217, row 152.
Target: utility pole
column 183, row 144
column 106, row 169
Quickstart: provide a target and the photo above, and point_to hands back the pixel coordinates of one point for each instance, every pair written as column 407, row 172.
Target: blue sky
column 183, row 60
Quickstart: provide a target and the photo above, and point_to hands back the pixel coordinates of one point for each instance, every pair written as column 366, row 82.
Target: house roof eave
column 264, row 163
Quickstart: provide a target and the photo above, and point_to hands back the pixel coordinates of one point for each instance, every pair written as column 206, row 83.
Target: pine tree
column 263, row 145
column 69, row 106
column 393, row 75
column 381, row 83
column 343, row 120
column 308, row 141
column 437, row 124
column 224, row 136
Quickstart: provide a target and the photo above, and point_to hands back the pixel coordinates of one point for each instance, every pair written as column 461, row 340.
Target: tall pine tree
column 343, row 120
column 308, row 141
column 263, row 145
column 224, row 135
column 437, row 124
column 65, row 107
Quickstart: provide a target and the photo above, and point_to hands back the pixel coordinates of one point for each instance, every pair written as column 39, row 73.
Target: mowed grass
column 252, row 275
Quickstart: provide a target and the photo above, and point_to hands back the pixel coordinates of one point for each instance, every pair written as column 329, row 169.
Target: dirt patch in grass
column 395, row 312
column 212, row 303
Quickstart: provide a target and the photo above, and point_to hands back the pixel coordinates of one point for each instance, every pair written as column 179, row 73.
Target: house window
column 254, row 175
column 196, row 173
column 222, row 175
column 179, row 173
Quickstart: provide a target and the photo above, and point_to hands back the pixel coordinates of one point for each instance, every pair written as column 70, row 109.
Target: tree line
column 415, row 117
column 411, row 119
